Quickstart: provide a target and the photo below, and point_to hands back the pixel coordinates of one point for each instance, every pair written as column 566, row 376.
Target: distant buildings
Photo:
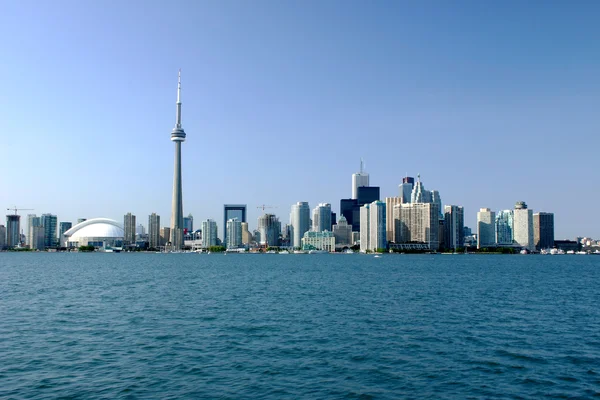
column 2, row 237
column 299, row 219
column 165, row 236
column 543, row 230
column 33, row 221
column 13, row 229
column 234, row 234
column 342, row 232
column 246, row 234
column 486, row 228
column 318, row 240
column 231, row 211
column 322, row 218
column 390, row 203
column 269, row 229
column 373, row 227
column 523, row 226
column 406, row 188
column 129, row 228
column 50, row 224
column 154, row 236
column 62, row 228
column 359, row 179
column 209, row 233
column 188, row 224
column 504, row 227
column 416, row 223
column 453, row 227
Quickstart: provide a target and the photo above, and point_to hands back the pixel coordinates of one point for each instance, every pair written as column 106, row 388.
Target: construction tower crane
column 263, row 206
column 15, row 209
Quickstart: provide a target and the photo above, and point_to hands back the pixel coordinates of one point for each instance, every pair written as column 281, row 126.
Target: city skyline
column 244, row 100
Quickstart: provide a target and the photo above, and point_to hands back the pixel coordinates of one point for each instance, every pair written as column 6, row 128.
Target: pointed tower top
column 361, row 165
column 418, row 177
column 178, row 134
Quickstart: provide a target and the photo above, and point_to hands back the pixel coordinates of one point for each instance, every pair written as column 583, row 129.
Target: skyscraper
column 322, row 217
column 453, row 227
column 406, row 188
column 129, row 229
column 372, row 226
column 32, row 221
column 419, row 194
column 358, row 180
column 543, row 230
column 154, row 230
column 234, row 234
column 50, row 224
column 177, row 136
column 188, row 224
column 231, row 211
column 246, row 234
column 209, row 233
column 416, row 223
column 486, row 228
column 523, row 226
column 270, row 229
column 13, row 229
column 342, row 232
column 165, row 235
column 299, row 218
column 504, row 227
column 390, row 202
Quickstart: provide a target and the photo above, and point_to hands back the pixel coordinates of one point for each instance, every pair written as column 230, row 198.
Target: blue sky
column 490, row 102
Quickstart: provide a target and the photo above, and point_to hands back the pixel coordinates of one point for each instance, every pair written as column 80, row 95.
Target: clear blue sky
column 491, row 102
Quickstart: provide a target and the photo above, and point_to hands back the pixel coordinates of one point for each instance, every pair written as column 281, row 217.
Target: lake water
column 129, row 326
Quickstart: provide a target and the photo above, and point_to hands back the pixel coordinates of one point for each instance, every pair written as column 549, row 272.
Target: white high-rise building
column 373, row 226
column 234, row 233
column 322, row 218
column 486, row 228
column 419, row 194
column 32, row 222
column 523, row 226
column 359, row 179
column 300, row 221
column 390, row 203
column 209, row 233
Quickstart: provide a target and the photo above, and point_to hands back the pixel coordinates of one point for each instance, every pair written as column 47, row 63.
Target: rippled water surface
column 298, row 326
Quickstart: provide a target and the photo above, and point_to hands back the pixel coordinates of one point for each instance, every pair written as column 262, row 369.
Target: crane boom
column 15, row 209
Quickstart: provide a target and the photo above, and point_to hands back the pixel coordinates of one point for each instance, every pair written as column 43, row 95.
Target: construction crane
column 15, row 209
column 263, row 206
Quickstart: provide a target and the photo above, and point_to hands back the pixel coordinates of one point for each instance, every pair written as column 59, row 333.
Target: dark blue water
column 299, row 326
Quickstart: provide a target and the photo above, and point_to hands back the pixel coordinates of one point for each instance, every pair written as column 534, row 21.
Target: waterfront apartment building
column 300, row 221
column 209, row 233
column 32, row 221
column 504, row 227
column 523, row 226
column 323, row 240
column 129, row 229
column 234, row 234
column 373, row 226
column 543, row 230
column 342, row 232
column 246, row 234
column 154, row 231
column 390, row 203
column 486, row 228
column 453, row 227
column 50, row 224
column 322, row 218
column 416, row 223
column 36, row 237
column 269, row 228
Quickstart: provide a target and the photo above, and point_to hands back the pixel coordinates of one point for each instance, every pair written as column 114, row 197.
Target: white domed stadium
column 97, row 232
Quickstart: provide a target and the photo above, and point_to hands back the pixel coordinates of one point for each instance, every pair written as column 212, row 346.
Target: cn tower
column 177, row 136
